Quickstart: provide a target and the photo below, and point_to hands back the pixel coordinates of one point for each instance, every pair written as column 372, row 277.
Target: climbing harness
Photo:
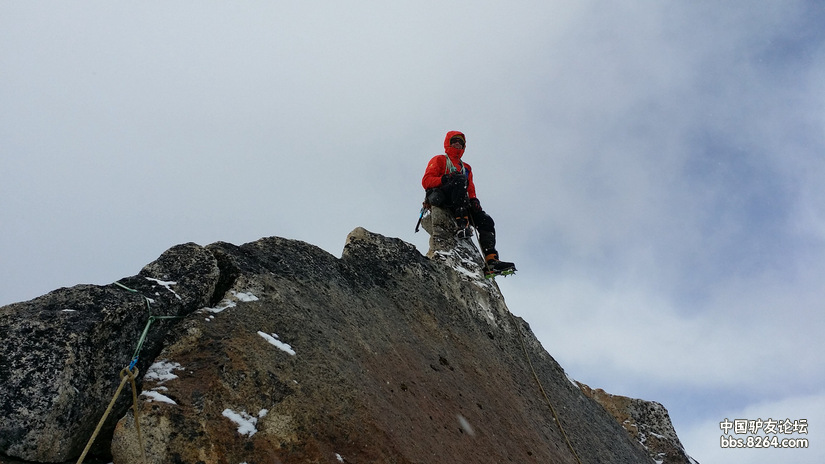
column 129, row 373
column 449, row 168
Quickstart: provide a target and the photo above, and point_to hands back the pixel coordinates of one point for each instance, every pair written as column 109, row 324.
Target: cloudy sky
column 655, row 169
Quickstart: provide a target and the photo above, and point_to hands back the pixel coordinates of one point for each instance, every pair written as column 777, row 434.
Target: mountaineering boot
column 464, row 230
column 497, row 267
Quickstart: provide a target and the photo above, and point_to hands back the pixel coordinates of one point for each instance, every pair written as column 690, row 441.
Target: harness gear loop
column 449, row 168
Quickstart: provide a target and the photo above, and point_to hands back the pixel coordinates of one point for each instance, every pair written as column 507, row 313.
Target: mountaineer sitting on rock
column 449, row 184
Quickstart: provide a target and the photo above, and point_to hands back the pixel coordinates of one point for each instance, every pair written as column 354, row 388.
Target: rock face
column 646, row 421
column 381, row 356
column 62, row 352
column 289, row 354
column 439, row 223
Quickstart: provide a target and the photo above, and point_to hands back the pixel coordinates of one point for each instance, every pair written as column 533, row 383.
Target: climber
column 449, row 184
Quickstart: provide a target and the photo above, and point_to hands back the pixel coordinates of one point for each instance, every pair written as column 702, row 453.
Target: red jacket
column 438, row 166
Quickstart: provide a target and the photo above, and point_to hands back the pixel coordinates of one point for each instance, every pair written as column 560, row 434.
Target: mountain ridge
column 394, row 358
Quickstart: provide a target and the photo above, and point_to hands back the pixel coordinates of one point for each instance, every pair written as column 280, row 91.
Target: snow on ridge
column 226, row 303
column 246, row 423
column 572, row 380
column 273, row 340
column 244, row 296
column 464, row 264
column 152, row 395
column 166, row 284
column 161, row 371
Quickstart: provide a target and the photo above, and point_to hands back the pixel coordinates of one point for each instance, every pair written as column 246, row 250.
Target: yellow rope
column 128, row 374
column 137, row 416
column 535, row 376
column 538, row 382
column 546, row 398
column 125, row 374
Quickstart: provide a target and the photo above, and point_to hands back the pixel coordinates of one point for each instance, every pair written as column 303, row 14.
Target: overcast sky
column 655, row 169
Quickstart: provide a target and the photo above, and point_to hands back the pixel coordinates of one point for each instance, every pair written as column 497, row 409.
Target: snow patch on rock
column 273, row 340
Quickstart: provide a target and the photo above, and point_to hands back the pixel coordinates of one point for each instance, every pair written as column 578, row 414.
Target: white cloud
column 627, row 329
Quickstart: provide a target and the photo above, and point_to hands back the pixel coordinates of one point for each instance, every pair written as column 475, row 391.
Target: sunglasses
column 458, row 140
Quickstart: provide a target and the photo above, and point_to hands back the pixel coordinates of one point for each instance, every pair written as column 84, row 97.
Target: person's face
column 457, row 143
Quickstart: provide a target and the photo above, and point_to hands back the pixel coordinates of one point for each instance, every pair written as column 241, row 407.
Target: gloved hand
column 454, row 180
column 475, row 204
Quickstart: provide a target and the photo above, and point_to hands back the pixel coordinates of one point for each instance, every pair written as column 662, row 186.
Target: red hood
column 453, row 152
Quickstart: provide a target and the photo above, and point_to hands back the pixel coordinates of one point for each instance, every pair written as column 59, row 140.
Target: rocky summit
column 276, row 351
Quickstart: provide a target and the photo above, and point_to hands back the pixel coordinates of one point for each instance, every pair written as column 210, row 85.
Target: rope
column 146, row 332
column 130, row 375
column 536, row 377
column 148, row 323
column 137, row 418
column 533, row 370
column 450, row 168
column 125, row 374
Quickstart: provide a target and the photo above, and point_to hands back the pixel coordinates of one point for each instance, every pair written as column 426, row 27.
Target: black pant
column 456, row 200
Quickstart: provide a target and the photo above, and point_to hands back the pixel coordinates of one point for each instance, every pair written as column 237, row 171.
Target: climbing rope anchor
column 128, row 373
